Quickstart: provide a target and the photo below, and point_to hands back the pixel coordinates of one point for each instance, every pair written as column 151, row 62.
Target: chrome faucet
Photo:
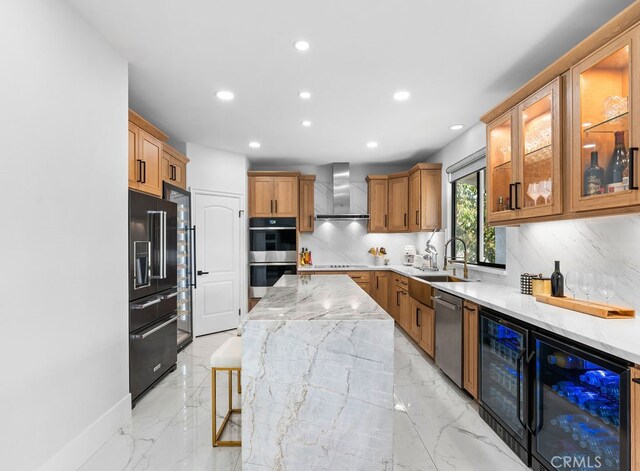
column 431, row 253
column 452, row 259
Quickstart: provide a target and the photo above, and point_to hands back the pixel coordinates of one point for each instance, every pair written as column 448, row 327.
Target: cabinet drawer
column 360, row 276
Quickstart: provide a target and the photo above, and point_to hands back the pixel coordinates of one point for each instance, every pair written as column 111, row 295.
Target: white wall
column 63, row 307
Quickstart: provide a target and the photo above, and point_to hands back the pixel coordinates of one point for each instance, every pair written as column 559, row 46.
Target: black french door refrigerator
column 152, row 291
column 557, row 404
column 185, row 256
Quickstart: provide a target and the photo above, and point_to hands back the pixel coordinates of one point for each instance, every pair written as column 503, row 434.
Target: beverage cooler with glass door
column 581, row 408
column 557, row 405
column 185, row 258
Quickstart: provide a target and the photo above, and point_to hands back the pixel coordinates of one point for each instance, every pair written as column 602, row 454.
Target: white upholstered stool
column 227, row 358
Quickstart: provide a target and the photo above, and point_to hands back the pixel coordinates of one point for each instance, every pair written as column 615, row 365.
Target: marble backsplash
column 348, row 242
column 596, row 245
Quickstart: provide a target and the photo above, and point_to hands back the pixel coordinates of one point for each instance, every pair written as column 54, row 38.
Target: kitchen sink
column 423, row 292
column 440, row 278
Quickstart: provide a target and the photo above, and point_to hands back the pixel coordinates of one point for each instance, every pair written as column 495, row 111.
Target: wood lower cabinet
column 361, row 278
column 273, row 194
column 306, row 212
column 422, row 327
column 382, row 287
column 398, row 202
column 470, row 348
column 174, row 166
column 377, row 202
column 253, row 302
column 404, row 310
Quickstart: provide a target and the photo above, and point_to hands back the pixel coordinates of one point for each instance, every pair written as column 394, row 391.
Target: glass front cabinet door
column 605, row 127
column 524, row 159
column 539, row 182
column 501, row 134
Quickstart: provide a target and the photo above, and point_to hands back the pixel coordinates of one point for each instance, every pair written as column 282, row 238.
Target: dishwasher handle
column 438, row 299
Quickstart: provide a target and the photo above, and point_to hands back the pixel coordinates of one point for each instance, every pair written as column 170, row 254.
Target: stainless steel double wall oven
column 272, row 252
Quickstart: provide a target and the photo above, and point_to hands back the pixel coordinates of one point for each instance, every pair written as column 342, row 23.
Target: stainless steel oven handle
column 147, row 304
column 272, row 264
column 438, row 299
column 152, row 331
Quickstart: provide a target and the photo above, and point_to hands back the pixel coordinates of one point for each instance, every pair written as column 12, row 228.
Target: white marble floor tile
column 148, row 420
column 436, row 426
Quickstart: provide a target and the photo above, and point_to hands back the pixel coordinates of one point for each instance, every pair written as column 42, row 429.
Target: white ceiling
column 458, row 58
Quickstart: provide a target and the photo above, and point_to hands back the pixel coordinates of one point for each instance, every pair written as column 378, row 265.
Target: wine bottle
column 557, row 282
column 616, row 167
column 593, row 177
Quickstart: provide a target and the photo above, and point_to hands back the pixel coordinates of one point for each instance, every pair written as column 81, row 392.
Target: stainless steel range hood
column 341, row 195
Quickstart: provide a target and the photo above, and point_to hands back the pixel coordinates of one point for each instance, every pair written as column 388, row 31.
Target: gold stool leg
column 218, row 433
column 239, row 382
column 214, row 434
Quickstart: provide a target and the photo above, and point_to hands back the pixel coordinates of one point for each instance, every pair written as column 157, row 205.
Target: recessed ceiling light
column 225, row 95
column 302, row 45
column 305, row 95
column 402, row 95
column 372, row 144
column 589, row 146
column 306, row 123
column 457, row 127
column 254, row 145
column 586, row 125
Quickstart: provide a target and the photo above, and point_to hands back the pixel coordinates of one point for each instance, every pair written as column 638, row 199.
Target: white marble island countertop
column 317, row 378
column 330, row 297
column 618, row 337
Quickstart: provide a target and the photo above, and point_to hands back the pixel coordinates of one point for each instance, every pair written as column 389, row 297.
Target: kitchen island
column 317, row 378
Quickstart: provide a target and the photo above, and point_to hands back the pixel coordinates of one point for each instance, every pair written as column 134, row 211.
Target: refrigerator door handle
column 194, row 280
column 153, row 331
column 169, row 296
column 147, row 304
column 161, row 238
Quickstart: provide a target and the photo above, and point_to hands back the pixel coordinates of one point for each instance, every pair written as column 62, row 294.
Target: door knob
column 200, row 272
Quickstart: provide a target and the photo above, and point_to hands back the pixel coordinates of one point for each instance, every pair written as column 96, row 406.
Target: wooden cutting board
column 595, row 309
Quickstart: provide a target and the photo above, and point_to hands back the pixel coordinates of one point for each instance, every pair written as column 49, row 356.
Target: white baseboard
column 76, row 452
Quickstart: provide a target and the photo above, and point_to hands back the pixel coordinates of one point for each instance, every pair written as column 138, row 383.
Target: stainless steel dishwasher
column 449, row 335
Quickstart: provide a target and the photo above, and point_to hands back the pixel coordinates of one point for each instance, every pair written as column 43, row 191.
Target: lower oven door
column 152, row 352
column 264, row 275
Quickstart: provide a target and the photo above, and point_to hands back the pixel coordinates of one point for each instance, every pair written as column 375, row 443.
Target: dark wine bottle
column 593, row 177
column 616, row 167
column 557, row 282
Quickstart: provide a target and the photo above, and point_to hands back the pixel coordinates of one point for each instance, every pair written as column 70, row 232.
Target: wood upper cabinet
column 524, row 159
column 382, row 288
column 377, row 202
column 306, row 211
column 470, row 348
column 398, row 203
column 605, row 117
column 423, row 326
column 145, row 155
column 272, row 195
column 174, row 166
column 425, row 197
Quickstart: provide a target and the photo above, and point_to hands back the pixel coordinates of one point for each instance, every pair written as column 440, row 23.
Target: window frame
column 480, row 209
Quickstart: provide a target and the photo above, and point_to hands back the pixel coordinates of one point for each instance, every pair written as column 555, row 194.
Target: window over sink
column 486, row 246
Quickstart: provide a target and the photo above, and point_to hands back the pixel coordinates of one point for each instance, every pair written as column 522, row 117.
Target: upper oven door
column 272, row 240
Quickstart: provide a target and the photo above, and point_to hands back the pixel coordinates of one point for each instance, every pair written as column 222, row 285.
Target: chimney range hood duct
column 341, row 195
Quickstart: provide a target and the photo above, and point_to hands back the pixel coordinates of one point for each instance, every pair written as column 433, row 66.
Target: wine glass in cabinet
column 605, row 126
column 540, row 163
column 501, row 197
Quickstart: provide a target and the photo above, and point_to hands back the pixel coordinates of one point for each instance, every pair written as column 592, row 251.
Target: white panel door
column 218, row 259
